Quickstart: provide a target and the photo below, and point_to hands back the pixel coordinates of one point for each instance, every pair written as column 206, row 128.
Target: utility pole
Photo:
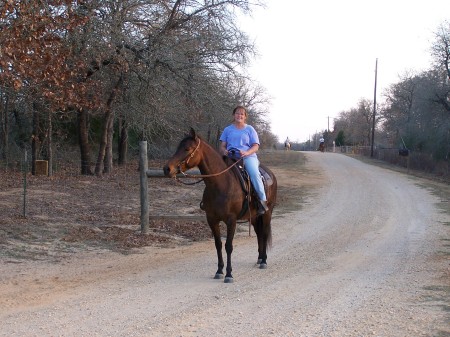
column 374, row 108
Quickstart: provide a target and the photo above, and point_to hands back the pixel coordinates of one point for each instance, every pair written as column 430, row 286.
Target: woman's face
column 240, row 116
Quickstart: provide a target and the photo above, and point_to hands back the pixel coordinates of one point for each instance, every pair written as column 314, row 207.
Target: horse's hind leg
column 263, row 233
column 215, row 228
column 258, row 230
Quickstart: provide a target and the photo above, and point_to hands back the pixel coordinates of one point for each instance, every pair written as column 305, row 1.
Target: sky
column 317, row 58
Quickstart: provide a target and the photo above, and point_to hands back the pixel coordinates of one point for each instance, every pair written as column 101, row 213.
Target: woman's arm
column 223, row 149
column 253, row 149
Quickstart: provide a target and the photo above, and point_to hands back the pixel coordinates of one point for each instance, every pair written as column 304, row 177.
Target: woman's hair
column 240, row 107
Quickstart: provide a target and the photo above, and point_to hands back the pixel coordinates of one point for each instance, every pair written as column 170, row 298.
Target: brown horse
column 321, row 147
column 224, row 198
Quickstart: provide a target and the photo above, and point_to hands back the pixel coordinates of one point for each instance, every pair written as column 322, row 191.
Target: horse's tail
column 265, row 228
column 269, row 236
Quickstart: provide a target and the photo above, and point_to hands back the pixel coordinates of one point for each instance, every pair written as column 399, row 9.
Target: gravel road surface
column 366, row 255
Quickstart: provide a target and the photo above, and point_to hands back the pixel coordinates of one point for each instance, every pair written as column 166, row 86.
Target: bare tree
column 414, row 113
column 35, row 58
column 355, row 125
column 155, row 65
column 440, row 49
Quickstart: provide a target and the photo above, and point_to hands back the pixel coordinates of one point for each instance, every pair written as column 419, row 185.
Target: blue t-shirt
column 241, row 139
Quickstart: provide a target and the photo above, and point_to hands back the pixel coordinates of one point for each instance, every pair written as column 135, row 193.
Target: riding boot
column 262, row 207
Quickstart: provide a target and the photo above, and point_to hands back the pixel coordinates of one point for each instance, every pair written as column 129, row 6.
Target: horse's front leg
column 231, row 229
column 215, row 228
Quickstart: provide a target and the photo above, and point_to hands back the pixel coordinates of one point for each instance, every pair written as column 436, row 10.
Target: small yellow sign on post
column 41, row 167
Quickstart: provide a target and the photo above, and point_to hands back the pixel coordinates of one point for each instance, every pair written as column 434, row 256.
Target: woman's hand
column 245, row 153
column 250, row 151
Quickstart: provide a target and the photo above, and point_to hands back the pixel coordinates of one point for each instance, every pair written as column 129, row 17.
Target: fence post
column 143, row 167
column 25, row 171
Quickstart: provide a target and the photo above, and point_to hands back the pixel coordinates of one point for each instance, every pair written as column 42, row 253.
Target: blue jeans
column 251, row 164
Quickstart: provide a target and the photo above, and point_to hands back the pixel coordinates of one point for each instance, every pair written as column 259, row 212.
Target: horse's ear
column 192, row 133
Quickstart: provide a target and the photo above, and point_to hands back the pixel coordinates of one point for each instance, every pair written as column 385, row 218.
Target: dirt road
column 367, row 255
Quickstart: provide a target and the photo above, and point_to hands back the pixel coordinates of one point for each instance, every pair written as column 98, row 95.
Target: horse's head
column 186, row 156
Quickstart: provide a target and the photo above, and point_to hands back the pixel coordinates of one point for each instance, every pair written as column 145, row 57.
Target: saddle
column 244, row 178
column 246, row 184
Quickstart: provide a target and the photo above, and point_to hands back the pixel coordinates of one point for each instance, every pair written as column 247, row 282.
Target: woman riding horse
column 224, row 198
column 322, row 144
column 287, row 144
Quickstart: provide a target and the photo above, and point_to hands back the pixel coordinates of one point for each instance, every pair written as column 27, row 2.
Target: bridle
column 189, row 157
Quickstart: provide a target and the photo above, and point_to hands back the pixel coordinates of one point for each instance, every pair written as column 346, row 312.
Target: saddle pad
column 266, row 177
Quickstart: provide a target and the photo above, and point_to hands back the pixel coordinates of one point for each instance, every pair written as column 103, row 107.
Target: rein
column 186, row 160
column 212, row 174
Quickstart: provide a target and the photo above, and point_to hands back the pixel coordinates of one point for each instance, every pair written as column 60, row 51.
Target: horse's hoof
column 259, row 261
column 228, row 280
column 263, row 266
column 218, row 276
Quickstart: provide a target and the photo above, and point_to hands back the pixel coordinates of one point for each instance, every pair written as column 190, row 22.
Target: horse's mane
column 220, row 158
column 190, row 137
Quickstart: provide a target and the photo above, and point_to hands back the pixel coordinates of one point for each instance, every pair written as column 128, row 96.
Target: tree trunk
column 123, row 142
column 5, row 128
column 107, row 131
column 83, row 138
column 109, row 146
column 50, row 144
column 34, row 138
column 100, row 164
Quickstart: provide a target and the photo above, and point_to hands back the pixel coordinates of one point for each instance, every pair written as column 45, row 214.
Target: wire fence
column 411, row 160
column 67, row 160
